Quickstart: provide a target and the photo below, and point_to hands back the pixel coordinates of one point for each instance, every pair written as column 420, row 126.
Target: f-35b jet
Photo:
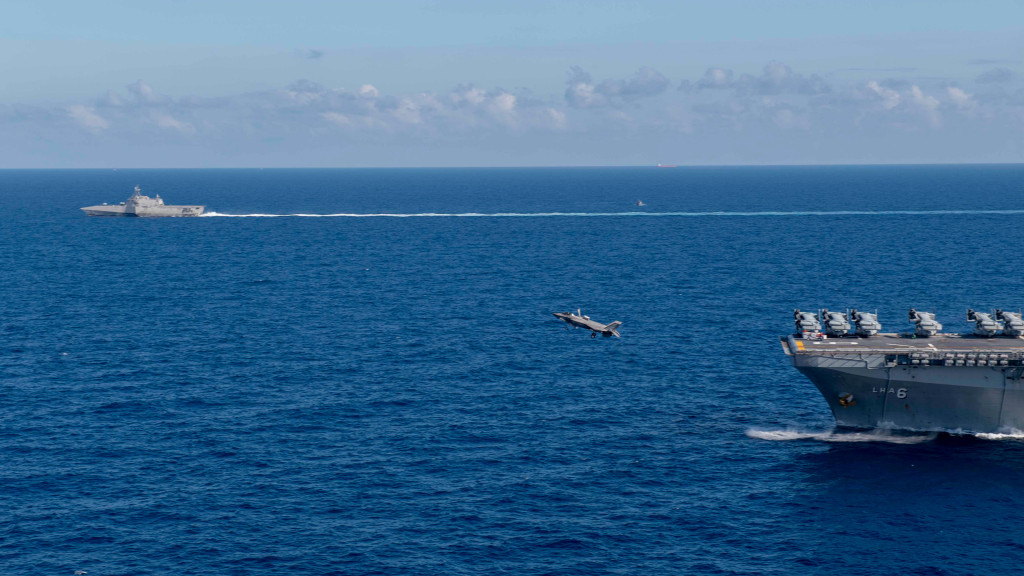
column 580, row 321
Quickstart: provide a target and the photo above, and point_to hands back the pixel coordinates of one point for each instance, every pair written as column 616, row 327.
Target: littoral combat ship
column 920, row 380
column 144, row 206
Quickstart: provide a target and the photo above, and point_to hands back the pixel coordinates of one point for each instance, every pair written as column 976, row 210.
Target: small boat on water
column 640, row 203
column 143, row 206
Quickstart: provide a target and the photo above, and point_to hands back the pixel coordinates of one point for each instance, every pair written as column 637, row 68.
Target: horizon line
column 527, row 166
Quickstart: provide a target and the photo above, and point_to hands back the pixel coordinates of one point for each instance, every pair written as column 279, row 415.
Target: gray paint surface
column 946, row 382
column 578, row 320
column 143, row 206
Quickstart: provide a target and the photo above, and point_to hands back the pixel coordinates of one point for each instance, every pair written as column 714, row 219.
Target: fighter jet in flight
column 580, row 321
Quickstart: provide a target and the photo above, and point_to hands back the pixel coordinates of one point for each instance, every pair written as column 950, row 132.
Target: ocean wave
column 626, row 214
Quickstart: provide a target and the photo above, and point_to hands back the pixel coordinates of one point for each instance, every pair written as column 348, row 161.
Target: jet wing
column 592, row 325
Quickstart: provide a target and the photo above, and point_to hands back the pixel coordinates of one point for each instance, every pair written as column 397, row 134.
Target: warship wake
column 922, row 380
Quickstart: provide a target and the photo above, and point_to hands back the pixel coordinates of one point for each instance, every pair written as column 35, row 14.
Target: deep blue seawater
column 382, row 395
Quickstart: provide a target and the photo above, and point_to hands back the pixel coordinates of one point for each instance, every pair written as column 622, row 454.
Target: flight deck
column 939, row 350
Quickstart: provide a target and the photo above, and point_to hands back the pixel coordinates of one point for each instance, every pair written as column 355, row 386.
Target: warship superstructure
column 143, row 206
column 916, row 380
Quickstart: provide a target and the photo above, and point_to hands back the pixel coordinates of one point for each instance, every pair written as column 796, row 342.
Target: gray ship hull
column 140, row 206
column 164, row 211
column 914, row 398
column 919, row 386
column 104, row 210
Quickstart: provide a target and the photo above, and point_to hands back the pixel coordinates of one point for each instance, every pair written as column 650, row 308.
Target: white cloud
column 890, row 98
column 168, row 122
column 782, row 108
column 582, row 93
column 112, row 98
column 470, row 95
column 789, row 119
column 336, row 118
column 716, row 78
column 303, row 98
column 776, row 78
column 408, row 112
column 961, row 99
column 504, row 103
column 558, row 119
column 88, row 118
column 502, row 108
column 929, row 105
column 142, row 91
column 646, row 82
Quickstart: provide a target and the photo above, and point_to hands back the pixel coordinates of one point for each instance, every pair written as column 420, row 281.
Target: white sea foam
column 886, row 436
column 1012, row 434
column 626, row 214
column 879, row 435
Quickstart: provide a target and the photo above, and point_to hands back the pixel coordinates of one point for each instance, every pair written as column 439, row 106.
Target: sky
column 304, row 83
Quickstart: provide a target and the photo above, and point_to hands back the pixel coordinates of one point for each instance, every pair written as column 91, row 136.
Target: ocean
column 269, row 390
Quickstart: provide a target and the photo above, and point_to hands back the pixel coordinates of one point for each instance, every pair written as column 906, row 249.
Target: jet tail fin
column 613, row 328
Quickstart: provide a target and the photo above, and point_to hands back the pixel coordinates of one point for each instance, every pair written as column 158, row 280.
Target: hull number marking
column 900, row 393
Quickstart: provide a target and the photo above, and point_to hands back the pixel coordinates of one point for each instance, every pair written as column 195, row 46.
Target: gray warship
column 143, row 206
column 922, row 380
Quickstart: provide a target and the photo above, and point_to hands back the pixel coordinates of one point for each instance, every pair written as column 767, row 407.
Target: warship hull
column 139, row 206
column 947, row 383
column 103, row 210
column 164, row 211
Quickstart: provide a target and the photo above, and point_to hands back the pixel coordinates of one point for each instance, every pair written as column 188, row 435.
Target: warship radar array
column 921, row 379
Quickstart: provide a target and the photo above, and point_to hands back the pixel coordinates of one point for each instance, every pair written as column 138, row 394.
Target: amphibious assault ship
column 919, row 380
column 144, row 206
